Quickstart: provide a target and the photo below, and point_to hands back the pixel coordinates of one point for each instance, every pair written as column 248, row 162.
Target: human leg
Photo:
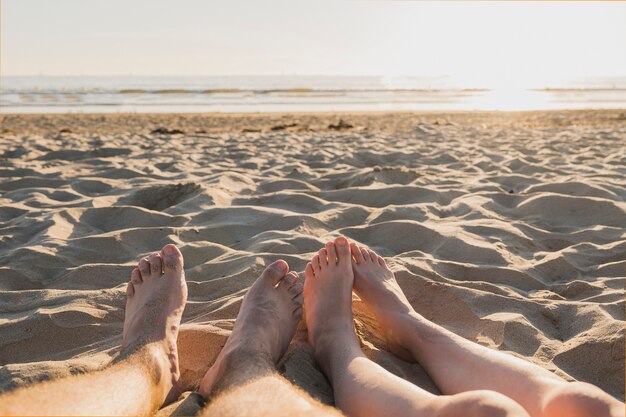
column 243, row 381
column 267, row 395
column 362, row 387
column 138, row 380
column 458, row 365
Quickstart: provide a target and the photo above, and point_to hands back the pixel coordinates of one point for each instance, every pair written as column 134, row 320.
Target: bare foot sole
column 155, row 300
column 328, row 300
column 265, row 325
column 376, row 285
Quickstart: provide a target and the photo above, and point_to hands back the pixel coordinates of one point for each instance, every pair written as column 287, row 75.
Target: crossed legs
column 361, row 387
column 476, row 381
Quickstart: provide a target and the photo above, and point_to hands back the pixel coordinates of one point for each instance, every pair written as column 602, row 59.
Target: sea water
column 96, row 94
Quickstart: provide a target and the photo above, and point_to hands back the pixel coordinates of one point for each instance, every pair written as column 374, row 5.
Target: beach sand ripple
column 509, row 229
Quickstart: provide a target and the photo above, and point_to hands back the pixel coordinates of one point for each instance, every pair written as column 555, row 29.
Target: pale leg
column 361, row 387
column 458, row 365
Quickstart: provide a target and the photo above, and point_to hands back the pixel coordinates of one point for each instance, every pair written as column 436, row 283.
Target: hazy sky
column 494, row 43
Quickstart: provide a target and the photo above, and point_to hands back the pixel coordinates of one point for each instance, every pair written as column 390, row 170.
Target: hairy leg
column 458, row 365
column 138, row 380
column 269, row 395
column 243, row 380
column 362, row 387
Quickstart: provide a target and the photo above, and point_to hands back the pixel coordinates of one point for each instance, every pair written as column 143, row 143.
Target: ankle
column 335, row 348
column 153, row 360
column 146, row 355
column 336, row 328
column 248, row 358
column 236, row 366
column 400, row 330
column 397, row 309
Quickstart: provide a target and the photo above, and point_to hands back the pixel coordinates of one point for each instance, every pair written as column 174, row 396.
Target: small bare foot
column 266, row 323
column 376, row 285
column 156, row 297
column 328, row 302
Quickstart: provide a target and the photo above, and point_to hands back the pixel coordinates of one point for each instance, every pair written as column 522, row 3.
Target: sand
column 509, row 229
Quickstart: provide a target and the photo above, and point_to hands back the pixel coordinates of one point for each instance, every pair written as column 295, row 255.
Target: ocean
column 111, row 94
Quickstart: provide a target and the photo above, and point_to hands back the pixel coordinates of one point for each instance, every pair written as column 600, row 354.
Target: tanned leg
column 458, row 365
column 138, row 380
column 243, row 380
column 269, row 395
column 362, row 387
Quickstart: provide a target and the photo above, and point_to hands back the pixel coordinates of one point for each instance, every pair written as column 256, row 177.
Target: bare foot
column 376, row 285
column 328, row 302
column 156, row 297
column 266, row 323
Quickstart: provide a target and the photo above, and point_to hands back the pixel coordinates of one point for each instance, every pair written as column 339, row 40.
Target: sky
column 477, row 43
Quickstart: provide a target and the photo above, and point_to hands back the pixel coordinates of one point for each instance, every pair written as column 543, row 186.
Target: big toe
column 275, row 271
column 172, row 258
column 343, row 248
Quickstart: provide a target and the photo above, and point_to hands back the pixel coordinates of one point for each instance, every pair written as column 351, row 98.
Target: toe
column 130, row 289
column 135, row 277
column 373, row 256
column 381, row 261
column 323, row 254
column 289, row 280
column 298, row 299
column 296, row 289
column 144, row 268
column 172, row 258
column 275, row 271
column 342, row 247
column 308, row 271
column 155, row 263
column 356, row 253
column 365, row 254
column 332, row 253
column 317, row 267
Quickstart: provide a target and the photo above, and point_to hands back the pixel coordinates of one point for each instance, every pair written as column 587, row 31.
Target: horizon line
column 279, row 75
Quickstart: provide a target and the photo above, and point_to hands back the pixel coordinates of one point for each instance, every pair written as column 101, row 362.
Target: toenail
column 280, row 266
column 342, row 241
column 169, row 249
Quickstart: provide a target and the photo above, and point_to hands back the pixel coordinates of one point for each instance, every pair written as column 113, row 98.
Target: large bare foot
column 266, row 323
column 328, row 302
column 376, row 285
column 156, row 297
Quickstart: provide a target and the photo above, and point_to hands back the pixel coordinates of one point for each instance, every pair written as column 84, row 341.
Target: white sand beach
column 507, row 228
